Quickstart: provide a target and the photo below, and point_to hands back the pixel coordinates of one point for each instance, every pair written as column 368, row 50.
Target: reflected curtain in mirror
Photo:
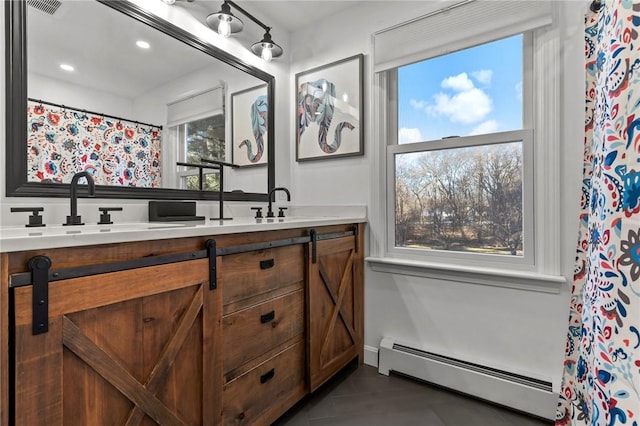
column 63, row 141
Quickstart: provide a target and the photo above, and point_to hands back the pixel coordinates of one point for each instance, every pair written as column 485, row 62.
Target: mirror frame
column 16, row 112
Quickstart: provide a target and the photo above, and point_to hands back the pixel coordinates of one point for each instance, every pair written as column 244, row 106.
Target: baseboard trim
column 371, row 356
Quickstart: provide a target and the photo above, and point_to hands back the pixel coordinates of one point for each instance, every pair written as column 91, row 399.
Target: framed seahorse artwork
column 249, row 112
column 329, row 110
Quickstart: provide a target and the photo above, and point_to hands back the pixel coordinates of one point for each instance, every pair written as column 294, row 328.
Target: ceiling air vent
column 47, row 6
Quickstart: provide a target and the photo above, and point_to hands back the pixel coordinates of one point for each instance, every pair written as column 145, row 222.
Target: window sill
column 520, row 280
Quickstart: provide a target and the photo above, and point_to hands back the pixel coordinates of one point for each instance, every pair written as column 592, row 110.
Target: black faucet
column 74, row 219
column 271, row 198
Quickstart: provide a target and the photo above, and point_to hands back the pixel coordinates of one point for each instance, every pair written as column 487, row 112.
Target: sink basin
column 293, row 219
column 24, row 232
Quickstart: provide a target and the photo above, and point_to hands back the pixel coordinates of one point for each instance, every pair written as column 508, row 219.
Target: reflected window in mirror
column 196, row 129
column 201, row 138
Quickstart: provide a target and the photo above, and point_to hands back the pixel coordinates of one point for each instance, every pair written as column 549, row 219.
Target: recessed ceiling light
column 67, row 67
column 142, row 44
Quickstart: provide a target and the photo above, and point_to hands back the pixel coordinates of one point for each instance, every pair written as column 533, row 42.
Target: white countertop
column 15, row 238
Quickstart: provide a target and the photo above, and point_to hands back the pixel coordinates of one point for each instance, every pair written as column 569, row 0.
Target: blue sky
column 473, row 91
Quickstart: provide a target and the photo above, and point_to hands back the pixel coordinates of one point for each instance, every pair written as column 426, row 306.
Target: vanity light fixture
column 226, row 23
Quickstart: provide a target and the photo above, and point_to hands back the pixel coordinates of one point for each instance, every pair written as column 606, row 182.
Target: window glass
column 205, row 139
column 458, row 167
column 465, row 199
column 470, row 92
column 201, row 138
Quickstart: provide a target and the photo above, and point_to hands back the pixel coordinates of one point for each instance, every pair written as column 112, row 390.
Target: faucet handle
column 105, row 217
column 35, row 219
column 281, row 211
column 258, row 212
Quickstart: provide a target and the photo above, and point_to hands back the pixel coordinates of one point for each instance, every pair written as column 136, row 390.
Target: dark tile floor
column 360, row 396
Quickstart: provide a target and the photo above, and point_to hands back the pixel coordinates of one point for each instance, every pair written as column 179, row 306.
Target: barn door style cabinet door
column 132, row 347
column 334, row 303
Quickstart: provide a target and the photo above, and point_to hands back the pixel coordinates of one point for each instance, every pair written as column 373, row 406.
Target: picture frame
column 329, row 110
column 249, row 127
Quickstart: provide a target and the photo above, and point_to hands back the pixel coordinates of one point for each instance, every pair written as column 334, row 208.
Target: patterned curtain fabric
column 601, row 382
column 64, row 142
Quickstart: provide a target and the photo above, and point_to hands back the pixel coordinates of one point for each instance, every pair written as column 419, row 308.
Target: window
column 201, row 138
column 196, row 129
column 468, row 137
column 460, row 156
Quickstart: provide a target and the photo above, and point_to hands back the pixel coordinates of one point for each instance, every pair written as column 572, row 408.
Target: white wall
column 91, row 99
column 517, row 330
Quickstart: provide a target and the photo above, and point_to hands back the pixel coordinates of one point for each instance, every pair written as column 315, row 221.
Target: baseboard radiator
column 516, row 391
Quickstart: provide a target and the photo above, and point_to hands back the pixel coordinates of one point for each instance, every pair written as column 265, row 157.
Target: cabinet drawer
column 254, row 331
column 265, row 392
column 249, row 275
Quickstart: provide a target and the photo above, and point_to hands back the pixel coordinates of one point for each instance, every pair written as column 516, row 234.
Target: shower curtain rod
column 64, row 107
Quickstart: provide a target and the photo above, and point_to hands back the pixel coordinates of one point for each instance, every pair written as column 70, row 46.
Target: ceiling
column 284, row 16
column 99, row 43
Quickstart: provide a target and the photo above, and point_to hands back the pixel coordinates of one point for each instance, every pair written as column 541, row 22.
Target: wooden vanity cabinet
column 335, row 306
column 148, row 343
column 120, row 347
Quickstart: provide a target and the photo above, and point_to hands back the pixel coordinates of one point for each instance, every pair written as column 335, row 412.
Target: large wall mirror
column 107, row 87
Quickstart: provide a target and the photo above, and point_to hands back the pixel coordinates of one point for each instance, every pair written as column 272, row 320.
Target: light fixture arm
column 225, row 23
column 248, row 15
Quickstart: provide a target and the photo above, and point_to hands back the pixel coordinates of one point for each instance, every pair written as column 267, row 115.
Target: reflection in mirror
column 133, row 106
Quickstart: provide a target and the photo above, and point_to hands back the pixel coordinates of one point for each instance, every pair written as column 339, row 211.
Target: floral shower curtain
column 64, row 141
column 601, row 383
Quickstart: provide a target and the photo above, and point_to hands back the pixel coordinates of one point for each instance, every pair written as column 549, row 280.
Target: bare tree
column 502, row 183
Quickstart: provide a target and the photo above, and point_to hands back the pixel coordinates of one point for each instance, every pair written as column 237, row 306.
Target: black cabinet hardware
column 39, row 267
column 267, row 264
column 313, row 235
column 268, row 317
column 211, row 254
column 267, row 376
column 35, row 219
column 355, row 235
column 105, row 217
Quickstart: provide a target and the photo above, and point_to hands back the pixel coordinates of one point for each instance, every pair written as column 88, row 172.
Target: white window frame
column 525, row 262
column 543, row 271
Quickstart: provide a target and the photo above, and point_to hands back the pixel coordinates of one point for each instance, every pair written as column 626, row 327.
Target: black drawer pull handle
column 267, row 376
column 266, row 264
column 269, row 316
